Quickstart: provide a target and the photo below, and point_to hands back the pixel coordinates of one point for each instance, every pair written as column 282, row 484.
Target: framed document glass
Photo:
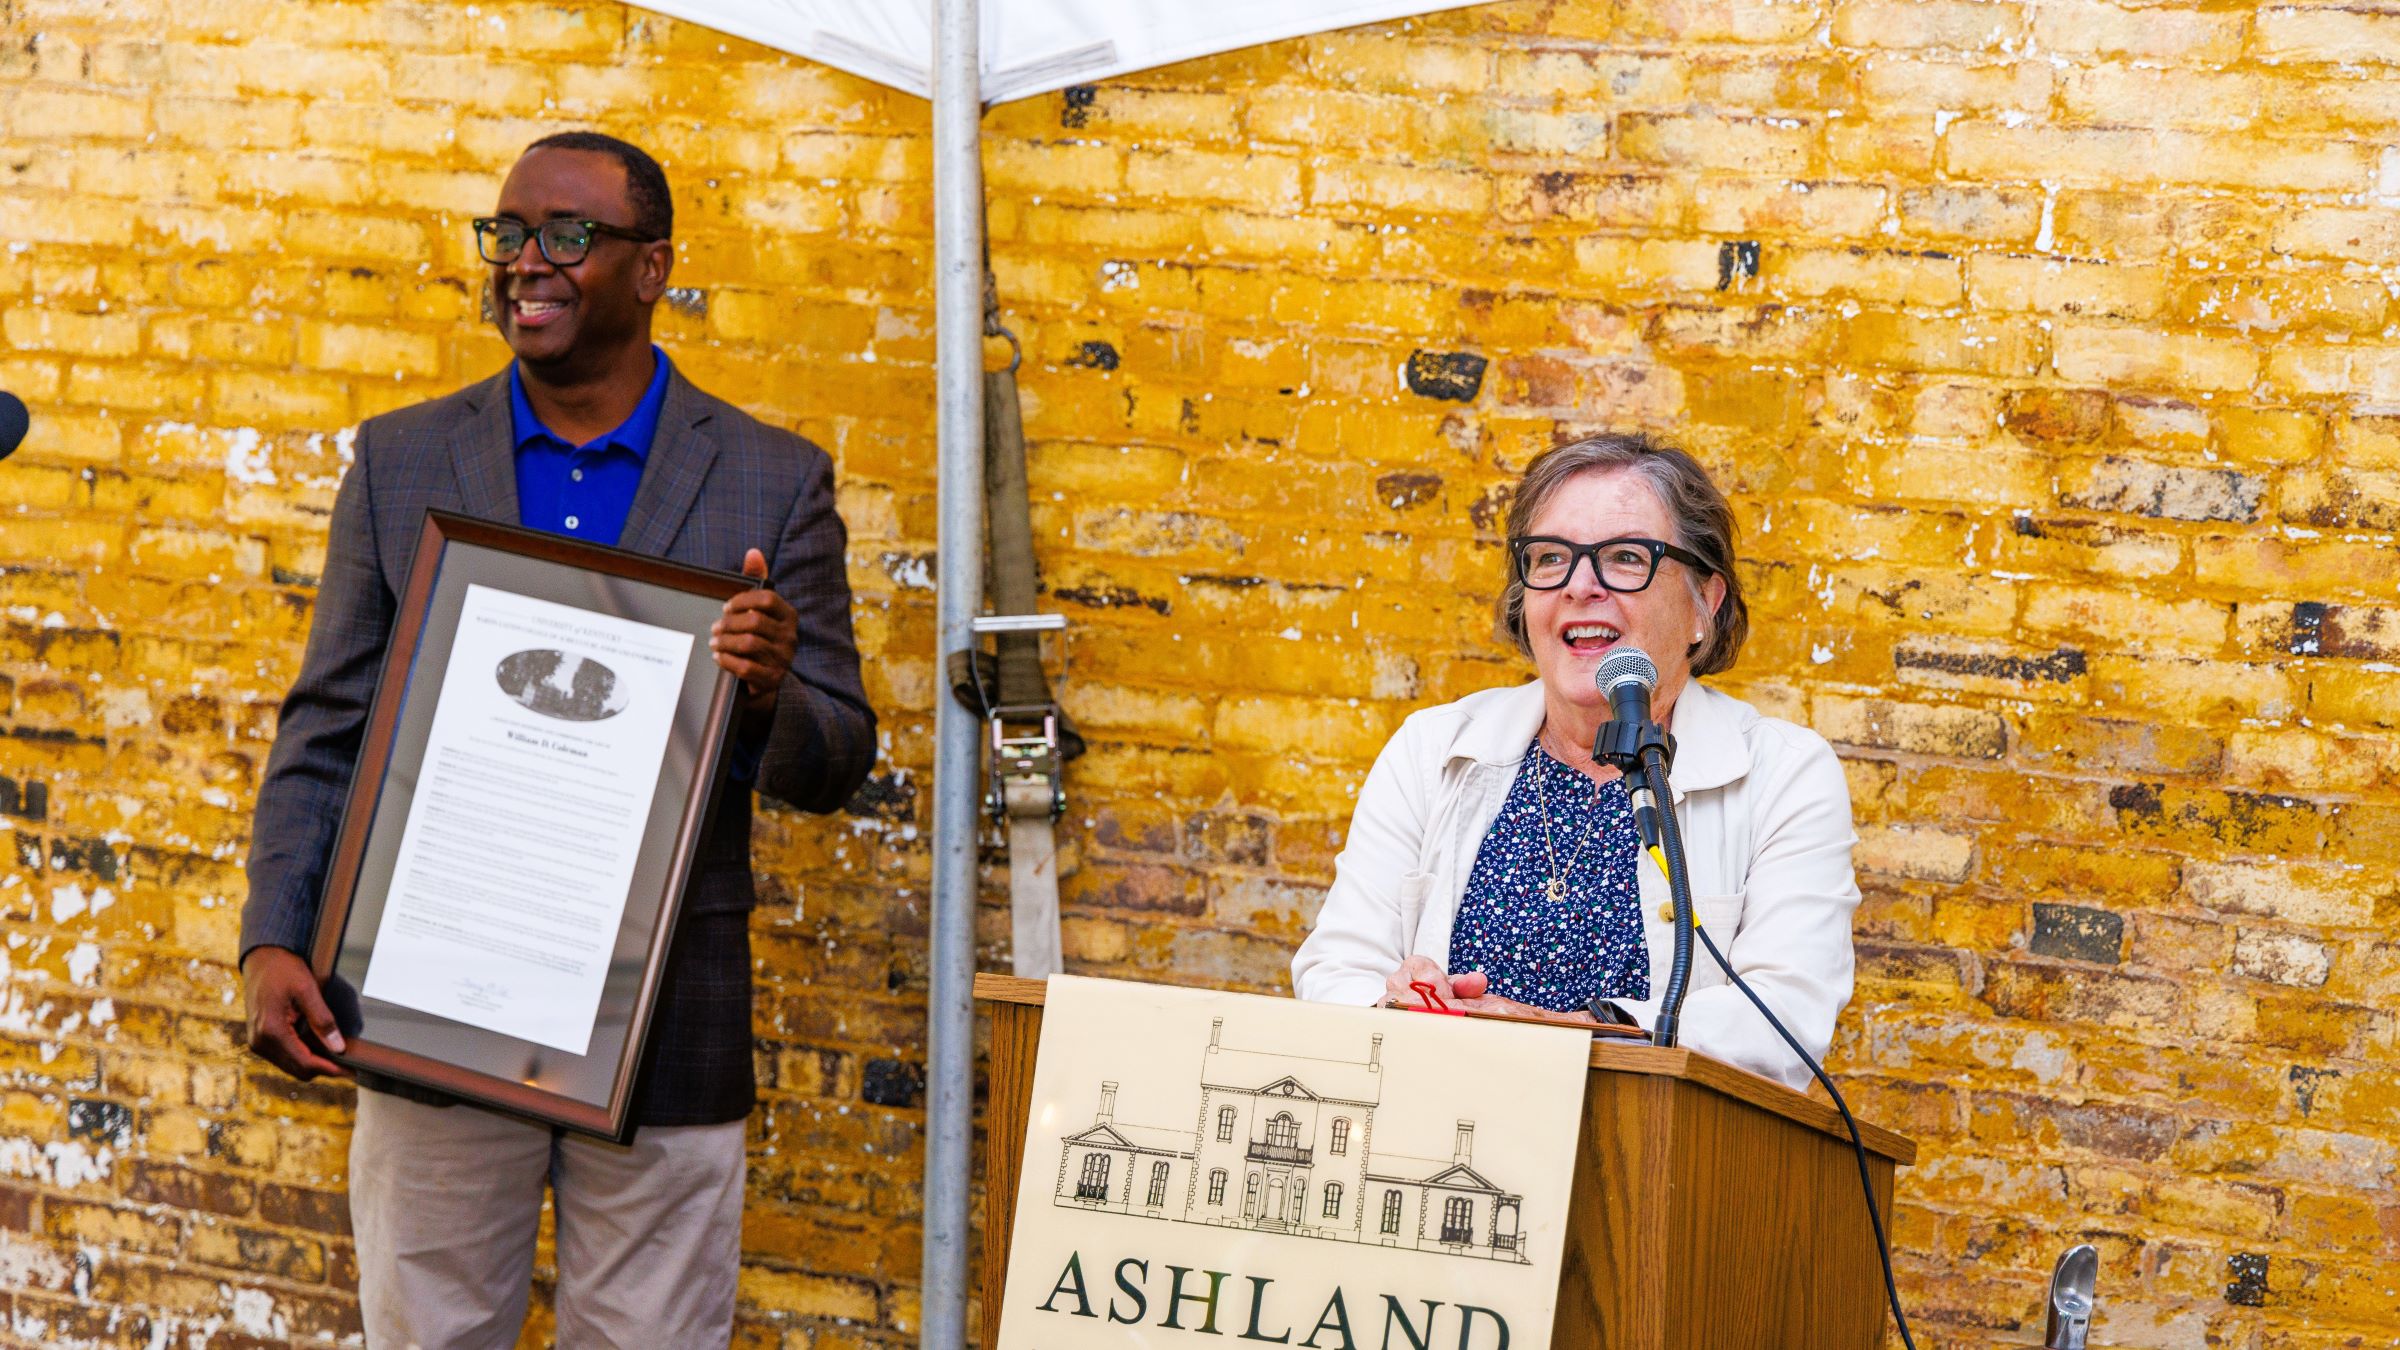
column 535, row 775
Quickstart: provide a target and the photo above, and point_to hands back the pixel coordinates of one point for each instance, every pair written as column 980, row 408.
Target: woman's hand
column 1423, row 970
column 1470, row 989
column 1467, row 993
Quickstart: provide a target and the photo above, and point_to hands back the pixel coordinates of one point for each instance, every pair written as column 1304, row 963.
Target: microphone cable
column 1858, row 1146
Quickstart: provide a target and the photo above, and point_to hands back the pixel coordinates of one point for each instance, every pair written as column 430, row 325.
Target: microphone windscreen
column 13, row 422
column 1626, row 665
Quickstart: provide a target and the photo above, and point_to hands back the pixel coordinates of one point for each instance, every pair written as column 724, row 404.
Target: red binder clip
column 1432, row 997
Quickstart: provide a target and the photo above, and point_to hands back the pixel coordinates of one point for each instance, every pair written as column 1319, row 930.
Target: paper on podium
column 1202, row 1164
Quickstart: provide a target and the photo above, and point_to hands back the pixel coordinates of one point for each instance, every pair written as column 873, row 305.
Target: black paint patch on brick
column 2141, row 799
column 1736, row 258
column 1457, row 376
column 1245, row 841
column 2308, row 628
column 27, row 801
column 2027, row 528
column 1112, row 597
column 1077, row 109
column 2057, row 668
column 1401, row 491
column 284, row 576
column 1243, row 583
column 2246, row 1279
column 2304, row 1085
column 29, row 852
column 83, row 855
column 1094, row 355
column 688, row 300
column 50, row 736
column 109, row 1123
column 2074, row 933
column 294, row 1207
column 2250, row 814
column 893, row 1082
column 2343, row 631
column 1491, row 508
column 891, row 795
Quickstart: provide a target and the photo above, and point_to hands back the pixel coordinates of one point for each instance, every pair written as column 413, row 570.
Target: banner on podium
column 1232, row 1167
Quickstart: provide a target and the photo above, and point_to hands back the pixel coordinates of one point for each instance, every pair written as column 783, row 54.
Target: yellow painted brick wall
column 2045, row 345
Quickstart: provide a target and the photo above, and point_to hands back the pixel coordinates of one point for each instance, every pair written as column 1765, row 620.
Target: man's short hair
column 645, row 182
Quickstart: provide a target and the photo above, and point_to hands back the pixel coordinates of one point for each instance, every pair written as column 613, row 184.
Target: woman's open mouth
column 1590, row 637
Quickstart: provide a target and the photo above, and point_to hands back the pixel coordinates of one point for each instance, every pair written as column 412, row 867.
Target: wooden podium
column 1711, row 1209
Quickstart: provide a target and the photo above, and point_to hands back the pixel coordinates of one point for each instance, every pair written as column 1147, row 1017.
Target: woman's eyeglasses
column 1545, row 564
column 563, row 242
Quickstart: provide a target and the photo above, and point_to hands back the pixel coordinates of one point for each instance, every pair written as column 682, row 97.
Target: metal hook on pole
column 992, row 327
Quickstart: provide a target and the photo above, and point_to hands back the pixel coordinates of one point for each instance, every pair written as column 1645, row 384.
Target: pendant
column 1556, row 890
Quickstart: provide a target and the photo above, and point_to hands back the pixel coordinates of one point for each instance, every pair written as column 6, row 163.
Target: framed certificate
column 536, row 771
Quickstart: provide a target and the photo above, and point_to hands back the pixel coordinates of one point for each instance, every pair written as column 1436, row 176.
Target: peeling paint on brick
column 1402, row 491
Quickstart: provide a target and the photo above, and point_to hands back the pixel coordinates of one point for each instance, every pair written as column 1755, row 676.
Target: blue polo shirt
column 584, row 491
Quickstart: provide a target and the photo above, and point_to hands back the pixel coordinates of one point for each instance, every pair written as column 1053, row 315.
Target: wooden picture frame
column 478, row 568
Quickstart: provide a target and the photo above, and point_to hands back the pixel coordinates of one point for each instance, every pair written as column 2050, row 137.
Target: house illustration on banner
column 1286, row 1144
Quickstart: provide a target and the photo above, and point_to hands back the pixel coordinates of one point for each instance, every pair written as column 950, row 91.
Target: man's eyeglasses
column 563, row 242
column 1546, row 564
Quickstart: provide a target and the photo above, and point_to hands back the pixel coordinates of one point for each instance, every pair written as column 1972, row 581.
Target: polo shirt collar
column 634, row 435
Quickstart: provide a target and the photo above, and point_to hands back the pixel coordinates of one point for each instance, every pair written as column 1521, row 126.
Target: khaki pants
column 444, row 1202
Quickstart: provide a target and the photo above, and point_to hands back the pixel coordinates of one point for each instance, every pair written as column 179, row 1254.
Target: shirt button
column 1666, row 912
column 572, row 522
column 576, row 475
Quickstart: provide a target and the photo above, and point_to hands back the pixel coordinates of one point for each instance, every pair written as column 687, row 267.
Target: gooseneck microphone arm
column 1679, row 889
column 1636, row 747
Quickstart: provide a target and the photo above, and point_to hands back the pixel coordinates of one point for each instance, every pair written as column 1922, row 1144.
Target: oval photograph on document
column 562, row 685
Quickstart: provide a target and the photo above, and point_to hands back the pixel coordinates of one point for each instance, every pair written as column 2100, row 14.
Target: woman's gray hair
column 1703, row 519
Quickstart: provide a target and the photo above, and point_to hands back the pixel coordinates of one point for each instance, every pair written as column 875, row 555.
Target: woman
column 1490, row 856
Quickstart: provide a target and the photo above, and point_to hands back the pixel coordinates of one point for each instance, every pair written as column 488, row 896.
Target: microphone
column 14, row 421
column 1628, row 677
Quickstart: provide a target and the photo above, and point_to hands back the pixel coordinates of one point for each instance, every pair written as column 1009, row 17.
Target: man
column 591, row 433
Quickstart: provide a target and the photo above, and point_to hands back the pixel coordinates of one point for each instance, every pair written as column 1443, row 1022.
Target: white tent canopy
column 1028, row 46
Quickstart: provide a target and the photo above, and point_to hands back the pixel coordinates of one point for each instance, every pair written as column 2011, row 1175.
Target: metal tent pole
column 958, row 361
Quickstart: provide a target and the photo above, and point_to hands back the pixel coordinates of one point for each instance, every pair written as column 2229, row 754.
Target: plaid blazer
column 717, row 483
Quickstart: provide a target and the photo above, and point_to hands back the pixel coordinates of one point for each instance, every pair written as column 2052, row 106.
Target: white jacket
column 1765, row 812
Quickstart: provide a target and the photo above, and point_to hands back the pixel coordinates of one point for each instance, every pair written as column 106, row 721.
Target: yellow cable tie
column 1659, row 856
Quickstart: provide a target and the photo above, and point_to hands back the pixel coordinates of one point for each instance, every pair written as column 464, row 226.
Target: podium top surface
column 1623, row 1057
